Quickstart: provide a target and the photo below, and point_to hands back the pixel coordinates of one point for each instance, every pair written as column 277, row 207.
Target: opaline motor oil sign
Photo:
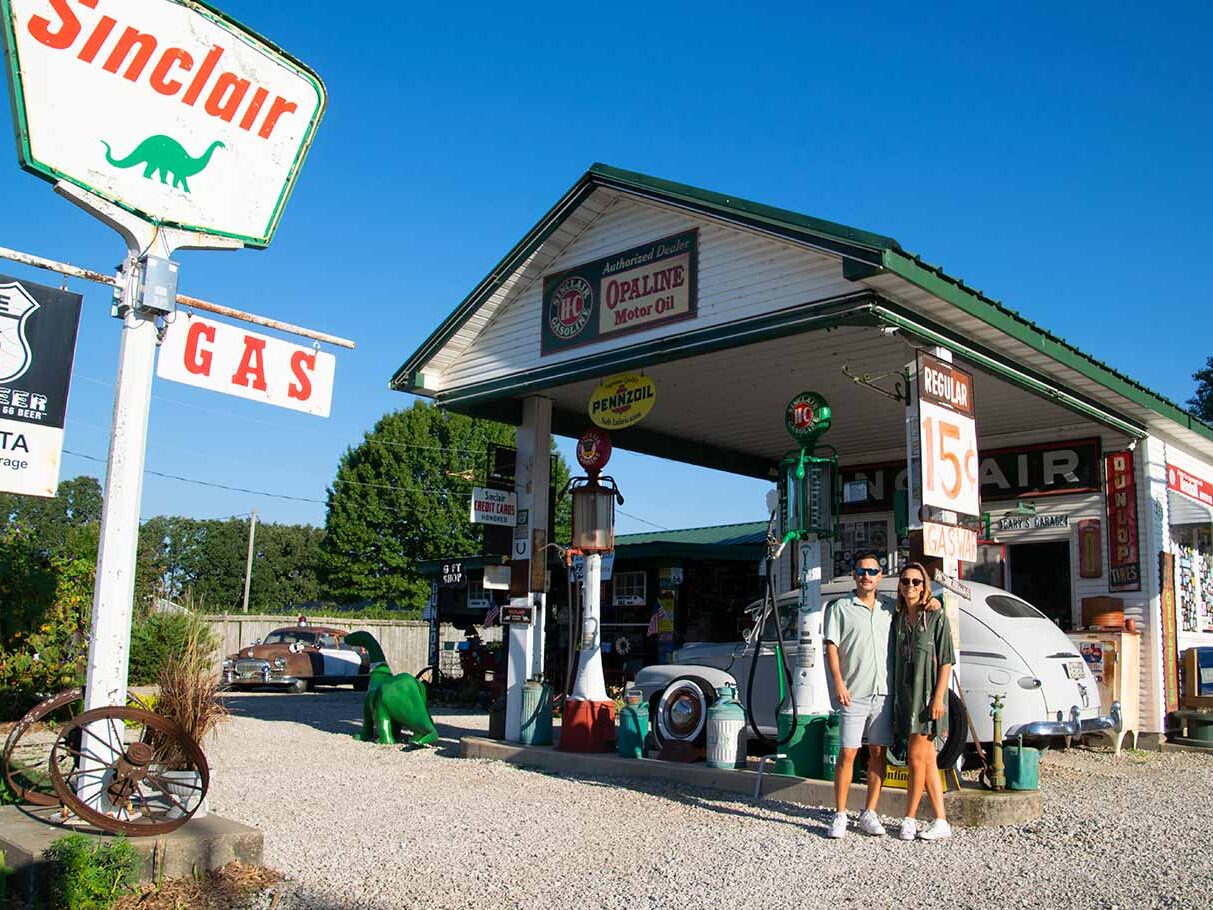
column 636, row 289
column 37, row 344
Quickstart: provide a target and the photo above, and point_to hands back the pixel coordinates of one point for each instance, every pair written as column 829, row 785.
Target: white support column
column 532, row 476
column 1150, row 467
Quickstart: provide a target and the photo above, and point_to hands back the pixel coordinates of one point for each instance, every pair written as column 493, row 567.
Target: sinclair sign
column 165, row 107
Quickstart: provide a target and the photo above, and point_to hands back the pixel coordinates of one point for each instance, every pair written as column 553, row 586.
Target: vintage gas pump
column 808, row 508
column 588, row 722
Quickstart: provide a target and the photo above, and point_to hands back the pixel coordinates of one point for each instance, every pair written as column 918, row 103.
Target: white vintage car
column 1007, row 647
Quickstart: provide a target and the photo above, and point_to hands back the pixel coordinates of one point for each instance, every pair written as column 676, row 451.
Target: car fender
column 653, row 680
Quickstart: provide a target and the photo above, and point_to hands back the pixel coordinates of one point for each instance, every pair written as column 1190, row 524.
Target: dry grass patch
column 233, row 887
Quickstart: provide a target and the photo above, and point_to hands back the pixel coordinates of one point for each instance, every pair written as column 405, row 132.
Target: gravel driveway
column 357, row 825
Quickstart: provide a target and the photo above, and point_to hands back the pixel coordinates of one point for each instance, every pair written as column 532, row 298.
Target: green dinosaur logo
column 166, row 155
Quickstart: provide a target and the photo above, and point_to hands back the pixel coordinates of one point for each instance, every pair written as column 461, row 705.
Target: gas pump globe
column 588, row 722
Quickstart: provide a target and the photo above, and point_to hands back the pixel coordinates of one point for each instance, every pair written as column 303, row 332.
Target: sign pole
column 113, row 595
column 248, row 563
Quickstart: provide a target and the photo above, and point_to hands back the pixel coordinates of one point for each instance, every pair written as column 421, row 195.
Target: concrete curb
column 966, row 808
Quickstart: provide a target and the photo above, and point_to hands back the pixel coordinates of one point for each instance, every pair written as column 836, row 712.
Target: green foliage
column 402, row 496
column 161, row 638
column 1201, row 404
column 89, row 874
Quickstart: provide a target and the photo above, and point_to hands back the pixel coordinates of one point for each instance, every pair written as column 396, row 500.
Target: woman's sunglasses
column 912, row 582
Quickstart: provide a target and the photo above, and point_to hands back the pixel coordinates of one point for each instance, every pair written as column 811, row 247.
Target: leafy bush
column 161, row 638
column 88, row 874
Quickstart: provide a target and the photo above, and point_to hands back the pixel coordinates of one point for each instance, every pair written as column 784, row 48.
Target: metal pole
column 109, row 647
column 248, row 565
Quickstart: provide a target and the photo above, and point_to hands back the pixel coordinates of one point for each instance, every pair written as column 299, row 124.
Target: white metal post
column 590, row 684
column 248, row 563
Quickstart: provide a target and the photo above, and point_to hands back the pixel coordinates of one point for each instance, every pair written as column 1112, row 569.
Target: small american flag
column 655, row 623
column 491, row 616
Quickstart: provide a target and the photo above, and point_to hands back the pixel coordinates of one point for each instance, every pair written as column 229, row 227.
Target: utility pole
column 248, row 565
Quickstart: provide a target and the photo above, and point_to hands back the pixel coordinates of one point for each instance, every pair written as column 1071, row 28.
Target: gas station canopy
column 784, row 302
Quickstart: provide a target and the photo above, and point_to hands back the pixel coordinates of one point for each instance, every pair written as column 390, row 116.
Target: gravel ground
column 357, row 825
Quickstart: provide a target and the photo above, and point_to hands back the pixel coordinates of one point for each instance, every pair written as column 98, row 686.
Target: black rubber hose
column 770, row 608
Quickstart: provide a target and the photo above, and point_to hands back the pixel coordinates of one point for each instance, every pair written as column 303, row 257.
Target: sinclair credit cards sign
column 630, row 291
column 166, row 107
column 37, row 344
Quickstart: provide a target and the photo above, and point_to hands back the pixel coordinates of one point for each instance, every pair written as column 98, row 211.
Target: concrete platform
column 201, row 844
column 968, row 807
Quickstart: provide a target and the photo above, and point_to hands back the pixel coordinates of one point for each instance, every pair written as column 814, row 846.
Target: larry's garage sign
column 37, row 343
column 637, row 289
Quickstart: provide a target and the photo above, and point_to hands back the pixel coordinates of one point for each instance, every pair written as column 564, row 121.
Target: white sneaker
column 937, row 830
column 909, row 829
column 838, row 827
column 869, row 823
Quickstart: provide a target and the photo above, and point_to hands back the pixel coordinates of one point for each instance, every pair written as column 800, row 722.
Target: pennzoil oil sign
column 622, row 401
column 631, row 291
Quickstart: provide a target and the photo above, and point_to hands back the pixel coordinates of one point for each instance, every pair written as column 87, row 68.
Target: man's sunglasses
column 912, row 582
column 871, row 573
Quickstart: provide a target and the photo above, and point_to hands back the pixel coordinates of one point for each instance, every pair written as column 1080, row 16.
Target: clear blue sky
column 1056, row 157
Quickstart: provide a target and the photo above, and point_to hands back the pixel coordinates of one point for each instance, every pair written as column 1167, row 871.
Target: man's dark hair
column 865, row 554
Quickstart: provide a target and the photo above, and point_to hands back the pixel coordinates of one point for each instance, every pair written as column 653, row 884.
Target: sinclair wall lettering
column 640, row 288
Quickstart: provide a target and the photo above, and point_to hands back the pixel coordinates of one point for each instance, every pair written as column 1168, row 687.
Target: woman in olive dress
column 922, row 656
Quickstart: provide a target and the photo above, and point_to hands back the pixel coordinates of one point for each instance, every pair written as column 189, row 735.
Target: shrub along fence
column 405, row 643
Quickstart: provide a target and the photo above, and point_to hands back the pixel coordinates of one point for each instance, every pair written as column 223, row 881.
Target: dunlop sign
column 622, row 401
column 166, row 107
column 637, row 289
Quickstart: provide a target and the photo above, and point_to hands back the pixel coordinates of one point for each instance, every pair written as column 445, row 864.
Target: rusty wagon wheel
column 128, row 770
column 25, row 761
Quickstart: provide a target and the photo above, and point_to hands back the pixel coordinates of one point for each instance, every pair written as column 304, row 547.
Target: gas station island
column 964, row 435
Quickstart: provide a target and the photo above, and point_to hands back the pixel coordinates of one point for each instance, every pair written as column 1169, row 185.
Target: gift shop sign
column 1124, row 558
column 622, row 401
column 224, row 358
column 1189, row 485
column 166, row 107
column 947, row 436
column 636, row 289
column 37, row 343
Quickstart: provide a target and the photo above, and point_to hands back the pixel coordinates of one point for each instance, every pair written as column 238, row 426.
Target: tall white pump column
column 590, row 684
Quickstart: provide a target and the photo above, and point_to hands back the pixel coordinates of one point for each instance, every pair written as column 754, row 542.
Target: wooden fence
column 405, row 643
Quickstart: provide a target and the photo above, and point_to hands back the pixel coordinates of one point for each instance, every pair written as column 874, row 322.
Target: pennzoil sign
column 166, row 107
column 637, row 289
column 622, row 401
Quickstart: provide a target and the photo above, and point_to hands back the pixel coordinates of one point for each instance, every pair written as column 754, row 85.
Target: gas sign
column 166, row 107
column 224, row 358
column 622, row 401
column 947, row 437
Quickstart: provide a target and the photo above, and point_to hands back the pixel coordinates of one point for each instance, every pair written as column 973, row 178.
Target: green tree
column 402, row 496
column 1201, row 404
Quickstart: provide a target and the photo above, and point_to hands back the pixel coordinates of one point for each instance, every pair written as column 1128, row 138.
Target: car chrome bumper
column 1075, row 726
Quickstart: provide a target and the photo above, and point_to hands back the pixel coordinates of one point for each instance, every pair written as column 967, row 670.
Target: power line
column 642, row 520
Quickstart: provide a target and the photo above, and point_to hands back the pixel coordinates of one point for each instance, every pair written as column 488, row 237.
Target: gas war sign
column 166, row 107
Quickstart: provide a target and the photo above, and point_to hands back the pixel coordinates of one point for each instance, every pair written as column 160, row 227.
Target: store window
column 628, row 590
column 857, row 536
column 1194, row 576
column 478, row 597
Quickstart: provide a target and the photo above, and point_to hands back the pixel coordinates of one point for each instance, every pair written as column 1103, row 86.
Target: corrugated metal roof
column 749, row 532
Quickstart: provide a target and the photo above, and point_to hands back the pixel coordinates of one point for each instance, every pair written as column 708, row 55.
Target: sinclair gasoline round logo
column 807, row 417
column 570, row 307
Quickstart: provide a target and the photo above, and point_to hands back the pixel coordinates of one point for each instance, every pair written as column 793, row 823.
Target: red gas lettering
column 196, row 361
column 68, row 30
column 251, row 364
column 301, row 360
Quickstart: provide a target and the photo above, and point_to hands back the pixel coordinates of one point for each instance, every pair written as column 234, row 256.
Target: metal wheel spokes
column 128, row 770
column 27, row 751
column 25, row 761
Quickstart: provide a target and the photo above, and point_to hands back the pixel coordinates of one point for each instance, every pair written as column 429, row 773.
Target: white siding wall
column 741, row 274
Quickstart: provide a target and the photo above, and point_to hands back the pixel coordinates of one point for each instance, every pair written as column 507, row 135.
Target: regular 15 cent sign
column 166, row 107
column 37, row 344
column 947, row 436
column 225, row 358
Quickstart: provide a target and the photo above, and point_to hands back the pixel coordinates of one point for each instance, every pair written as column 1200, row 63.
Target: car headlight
column 279, row 662
column 227, row 662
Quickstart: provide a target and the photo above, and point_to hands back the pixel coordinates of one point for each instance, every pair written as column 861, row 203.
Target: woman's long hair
column 924, row 590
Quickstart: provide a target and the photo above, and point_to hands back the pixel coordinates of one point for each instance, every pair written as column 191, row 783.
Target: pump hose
column 770, row 608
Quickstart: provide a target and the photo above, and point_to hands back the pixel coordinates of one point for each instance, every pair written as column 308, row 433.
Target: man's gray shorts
column 868, row 718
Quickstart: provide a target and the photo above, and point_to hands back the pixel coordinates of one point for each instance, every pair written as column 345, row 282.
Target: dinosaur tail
column 119, row 162
column 367, row 640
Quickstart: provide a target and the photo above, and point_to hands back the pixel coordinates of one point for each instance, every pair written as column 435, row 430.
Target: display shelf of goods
column 1194, row 587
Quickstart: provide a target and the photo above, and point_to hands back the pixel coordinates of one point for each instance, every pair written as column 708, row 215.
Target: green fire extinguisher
column 830, row 741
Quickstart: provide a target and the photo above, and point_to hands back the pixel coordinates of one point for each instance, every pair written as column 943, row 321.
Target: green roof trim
column 744, row 533
column 864, row 253
column 746, row 542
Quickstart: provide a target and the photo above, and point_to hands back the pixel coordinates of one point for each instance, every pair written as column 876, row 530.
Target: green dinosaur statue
column 394, row 702
column 166, row 155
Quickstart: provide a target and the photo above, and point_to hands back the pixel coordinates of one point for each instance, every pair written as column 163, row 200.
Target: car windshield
column 289, row 636
column 1013, row 607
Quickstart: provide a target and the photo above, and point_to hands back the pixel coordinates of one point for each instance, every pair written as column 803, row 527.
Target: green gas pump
column 808, row 510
